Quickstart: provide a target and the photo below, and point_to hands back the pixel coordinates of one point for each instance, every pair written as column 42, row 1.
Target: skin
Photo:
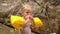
column 26, row 13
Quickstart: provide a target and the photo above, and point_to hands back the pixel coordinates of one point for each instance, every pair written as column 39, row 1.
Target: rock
column 47, row 10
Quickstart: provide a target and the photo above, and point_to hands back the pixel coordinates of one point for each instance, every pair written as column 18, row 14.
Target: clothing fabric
column 26, row 29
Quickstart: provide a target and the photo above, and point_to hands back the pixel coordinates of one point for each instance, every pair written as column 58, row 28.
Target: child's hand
column 27, row 17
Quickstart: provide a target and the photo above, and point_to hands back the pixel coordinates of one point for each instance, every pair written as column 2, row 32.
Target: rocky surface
column 47, row 10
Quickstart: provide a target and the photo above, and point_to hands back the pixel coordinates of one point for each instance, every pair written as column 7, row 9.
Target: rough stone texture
column 47, row 10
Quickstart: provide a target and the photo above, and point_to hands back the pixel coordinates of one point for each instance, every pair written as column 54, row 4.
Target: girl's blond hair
column 25, row 5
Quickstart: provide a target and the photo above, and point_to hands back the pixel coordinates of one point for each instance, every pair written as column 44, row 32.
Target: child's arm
column 33, row 22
